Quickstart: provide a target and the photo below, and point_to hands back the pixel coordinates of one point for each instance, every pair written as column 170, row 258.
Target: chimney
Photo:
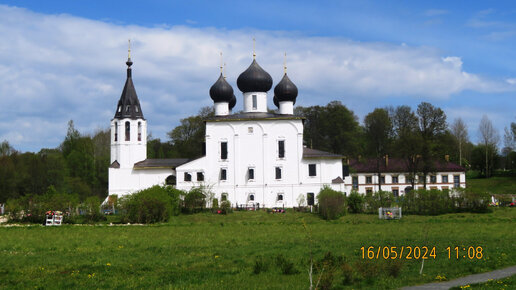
column 447, row 158
column 386, row 160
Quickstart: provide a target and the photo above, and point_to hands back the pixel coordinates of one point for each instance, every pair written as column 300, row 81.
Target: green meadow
column 255, row 250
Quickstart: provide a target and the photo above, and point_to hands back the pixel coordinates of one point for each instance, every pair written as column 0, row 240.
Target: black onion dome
column 275, row 101
column 232, row 102
column 285, row 90
column 254, row 79
column 129, row 105
column 221, row 91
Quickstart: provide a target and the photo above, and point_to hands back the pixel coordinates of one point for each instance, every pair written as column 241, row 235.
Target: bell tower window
column 116, row 131
column 255, row 102
column 139, row 131
column 127, row 131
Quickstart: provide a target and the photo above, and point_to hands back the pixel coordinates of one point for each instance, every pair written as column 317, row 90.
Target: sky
column 65, row 60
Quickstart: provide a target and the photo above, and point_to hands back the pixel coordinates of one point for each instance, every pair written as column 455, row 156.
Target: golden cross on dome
column 285, row 63
column 224, row 71
column 129, row 48
column 221, row 62
column 254, row 48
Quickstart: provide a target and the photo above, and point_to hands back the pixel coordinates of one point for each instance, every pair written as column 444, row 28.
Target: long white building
column 253, row 157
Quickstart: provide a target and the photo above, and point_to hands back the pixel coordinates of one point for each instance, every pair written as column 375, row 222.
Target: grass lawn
column 494, row 185
column 207, row 251
column 506, row 283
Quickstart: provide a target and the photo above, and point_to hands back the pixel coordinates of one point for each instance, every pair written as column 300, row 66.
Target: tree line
column 80, row 164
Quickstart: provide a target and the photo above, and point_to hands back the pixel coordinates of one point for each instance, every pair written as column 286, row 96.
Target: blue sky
column 62, row 60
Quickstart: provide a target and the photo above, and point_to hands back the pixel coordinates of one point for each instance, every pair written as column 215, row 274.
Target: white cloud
column 58, row 67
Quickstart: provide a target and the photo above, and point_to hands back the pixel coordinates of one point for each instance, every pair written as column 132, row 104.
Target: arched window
column 251, row 197
column 116, row 131
column 280, row 197
column 171, row 180
column 223, row 196
column 127, row 131
column 139, row 131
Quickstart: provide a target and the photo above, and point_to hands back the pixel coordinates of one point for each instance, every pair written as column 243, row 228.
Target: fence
column 389, row 213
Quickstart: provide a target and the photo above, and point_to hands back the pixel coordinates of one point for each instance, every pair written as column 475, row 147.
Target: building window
column 433, row 179
column 119, row 109
column 136, row 109
column 251, row 197
column 395, row 192
column 312, row 170
column 421, row 178
column 250, row 174
column 369, row 179
column 310, row 198
column 127, row 131
column 355, row 182
column 445, row 178
column 116, row 131
column 139, row 131
column 223, row 174
column 255, row 102
column 223, row 150
column 127, row 108
column 278, row 172
column 456, row 181
column 200, row 176
column 368, row 190
column 223, row 196
column 280, row 197
column 395, row 179
column 188, row 176
column 250, row 130
column 382, row 179
column 281, row 149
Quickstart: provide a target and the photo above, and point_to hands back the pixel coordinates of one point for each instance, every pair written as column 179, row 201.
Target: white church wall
column 124, row 181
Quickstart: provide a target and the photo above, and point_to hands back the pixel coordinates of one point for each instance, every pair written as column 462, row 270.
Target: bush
column 375, row 200
column 466, row 200
column 332, row 203
column 225, row 207
column 286, row 267
column 195, row 200
column 260, row 265
column 355, row 202
column 215, row 203
column 151, row 205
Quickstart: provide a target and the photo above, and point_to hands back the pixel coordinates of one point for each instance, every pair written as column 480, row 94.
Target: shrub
column 215, row 203
column 151, row 205
column 327, row 269
column 332, row 203
column 368, row 269
column 195, row 200
column 378, row 199
column 286, row 267
column 225, row 207
column 466, row 200
column 260, row 265
column 394, row 267
column 355, row 202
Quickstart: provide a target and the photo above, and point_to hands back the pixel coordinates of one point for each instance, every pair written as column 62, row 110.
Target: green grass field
column 494, row 185
column 207, row 251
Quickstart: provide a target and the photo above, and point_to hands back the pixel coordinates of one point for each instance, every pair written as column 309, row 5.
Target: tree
column 489, row 137
column 378, row 132
column 6, row 149
column 460, row 133
column 188, row 138
column 408, row 140
column 432, row 124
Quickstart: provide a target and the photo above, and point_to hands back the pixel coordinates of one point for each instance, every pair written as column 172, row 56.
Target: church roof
column 129, row 105
column 314, row 153
column 285, row 90
column 254, row 79
column 160, row 163
column 253, row 116
column 399, row 165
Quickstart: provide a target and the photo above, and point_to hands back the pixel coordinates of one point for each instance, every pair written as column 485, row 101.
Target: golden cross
column 285, row 63
column 221, row 62
column 254, row 48
column 129, row 48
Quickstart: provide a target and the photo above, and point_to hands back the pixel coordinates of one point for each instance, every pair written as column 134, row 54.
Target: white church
column 254, row 157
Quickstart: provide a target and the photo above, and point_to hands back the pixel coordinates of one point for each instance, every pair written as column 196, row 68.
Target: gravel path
column 467, row 280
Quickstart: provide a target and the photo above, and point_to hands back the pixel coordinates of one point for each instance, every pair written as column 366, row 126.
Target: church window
column 188, row 176
column 223, row 196
column 369, row 179
column 119, row 109
column 223, row 150
column 127, row 108
column 116, row 131
column 251, row 197
column 281, row 149
column 139, row 131
column 255, row 102
column 278, row 172
column 223, row 174
column 200, row 176
column 136, row 109
column 250, row 130
column 310, row 198
column 250, row 174
column 312, row 170
column 355, row 182
column 127, row 131
column 280, row 197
